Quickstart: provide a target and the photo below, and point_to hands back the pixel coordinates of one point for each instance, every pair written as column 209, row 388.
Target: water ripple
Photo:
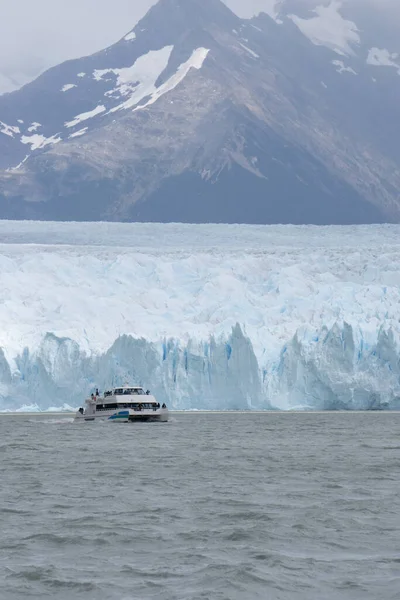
column 269, row 507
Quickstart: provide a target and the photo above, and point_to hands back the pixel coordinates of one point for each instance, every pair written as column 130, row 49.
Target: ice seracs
column 124, row 404
column 217, row 317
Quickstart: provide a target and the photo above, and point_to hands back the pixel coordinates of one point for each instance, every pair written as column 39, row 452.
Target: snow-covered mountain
column 206, row 316
column 199, row 115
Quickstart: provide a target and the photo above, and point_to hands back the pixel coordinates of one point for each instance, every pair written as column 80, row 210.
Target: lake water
column 209, row 506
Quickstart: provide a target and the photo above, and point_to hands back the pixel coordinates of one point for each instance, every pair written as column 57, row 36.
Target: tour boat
column 122, row 405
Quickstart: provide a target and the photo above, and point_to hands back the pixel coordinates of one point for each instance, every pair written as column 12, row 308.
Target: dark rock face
column 199, row 116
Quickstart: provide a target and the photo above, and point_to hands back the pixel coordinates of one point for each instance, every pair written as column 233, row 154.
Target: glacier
column 216, row 317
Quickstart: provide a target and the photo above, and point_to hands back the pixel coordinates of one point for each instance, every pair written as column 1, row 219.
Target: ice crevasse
column 206, row 316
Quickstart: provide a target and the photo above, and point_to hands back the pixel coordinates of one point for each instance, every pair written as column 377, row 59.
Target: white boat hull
column 125, row 416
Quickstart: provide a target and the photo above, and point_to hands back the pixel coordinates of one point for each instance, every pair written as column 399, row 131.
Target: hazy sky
column 36, row 34
column 39, row 32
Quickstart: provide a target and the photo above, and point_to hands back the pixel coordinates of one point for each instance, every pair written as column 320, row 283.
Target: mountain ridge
column 197, row 115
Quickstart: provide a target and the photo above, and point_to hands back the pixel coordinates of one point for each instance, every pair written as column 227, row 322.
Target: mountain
column 198, row 115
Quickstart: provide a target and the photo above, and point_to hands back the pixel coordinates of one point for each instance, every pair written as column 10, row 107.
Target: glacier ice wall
column 211, row 375
column 207, row 317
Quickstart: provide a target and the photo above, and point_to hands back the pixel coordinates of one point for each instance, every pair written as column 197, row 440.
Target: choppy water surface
column 218, row 506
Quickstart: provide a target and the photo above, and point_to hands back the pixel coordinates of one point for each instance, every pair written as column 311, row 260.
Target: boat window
column 133, row 405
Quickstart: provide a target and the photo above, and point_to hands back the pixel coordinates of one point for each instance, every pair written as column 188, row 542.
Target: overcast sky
column 37, row 34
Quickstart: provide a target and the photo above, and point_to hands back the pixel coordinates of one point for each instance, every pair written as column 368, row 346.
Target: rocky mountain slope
column 198, row 115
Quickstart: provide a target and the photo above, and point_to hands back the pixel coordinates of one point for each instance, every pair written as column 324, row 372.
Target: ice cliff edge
column 331, row 373
column 214, row 317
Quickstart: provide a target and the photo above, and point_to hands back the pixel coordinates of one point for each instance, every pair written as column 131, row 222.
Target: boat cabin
column 126, row 397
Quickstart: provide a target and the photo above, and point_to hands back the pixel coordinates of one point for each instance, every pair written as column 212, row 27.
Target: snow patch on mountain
column 9, row 130
column 81, row 75
column 251, row 52
column 329, row 28
column 20, row 164
column 138, row 82
column 380, row 57
column 37, row 141
column 79, row 133
column 68, row 86
column 85, row 116
column 130, row 37
column 195, row 61
column 341, row 68
column 34, row 127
